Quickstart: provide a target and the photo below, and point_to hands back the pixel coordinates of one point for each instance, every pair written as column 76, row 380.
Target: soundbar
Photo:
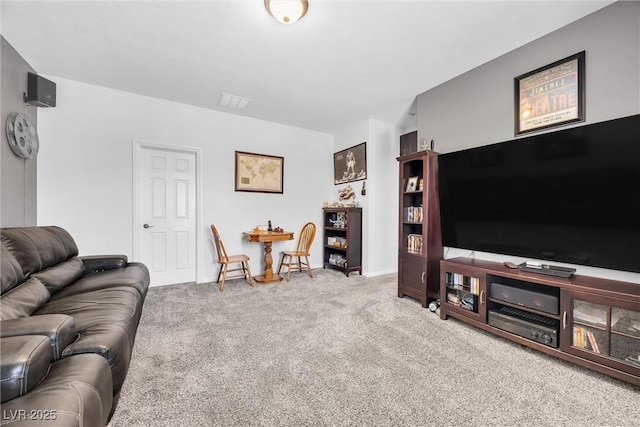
column 525, row 297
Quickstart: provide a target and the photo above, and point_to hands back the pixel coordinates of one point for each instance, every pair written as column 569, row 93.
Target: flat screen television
column 570, row 196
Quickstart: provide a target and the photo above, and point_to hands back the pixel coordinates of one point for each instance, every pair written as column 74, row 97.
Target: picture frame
column 350, row 164
column 412, row 184
column 550, row 96
column 260, row 173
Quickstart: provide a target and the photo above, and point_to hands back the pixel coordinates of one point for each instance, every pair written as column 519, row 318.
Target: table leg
column 268, row 276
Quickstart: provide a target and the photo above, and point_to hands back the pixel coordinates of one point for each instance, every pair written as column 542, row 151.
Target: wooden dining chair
column 224, row 260
column 305, row 239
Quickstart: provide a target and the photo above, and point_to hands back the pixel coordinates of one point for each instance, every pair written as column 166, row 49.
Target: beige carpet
column 344, row 351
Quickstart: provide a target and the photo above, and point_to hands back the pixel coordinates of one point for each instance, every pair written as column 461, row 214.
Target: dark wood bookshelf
column 419, row 235
column 343, row 242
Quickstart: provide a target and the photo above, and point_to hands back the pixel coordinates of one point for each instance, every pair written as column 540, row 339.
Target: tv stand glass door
column 602, row 329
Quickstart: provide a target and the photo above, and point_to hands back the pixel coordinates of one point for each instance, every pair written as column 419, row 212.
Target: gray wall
column 477, row 108
column 18, row 176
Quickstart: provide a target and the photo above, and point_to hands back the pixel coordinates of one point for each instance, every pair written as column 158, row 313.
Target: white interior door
column 166, row 222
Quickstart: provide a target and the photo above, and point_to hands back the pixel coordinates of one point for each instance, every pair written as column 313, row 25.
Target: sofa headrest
column 37, row 248
column 11, row 271
column 24, row 299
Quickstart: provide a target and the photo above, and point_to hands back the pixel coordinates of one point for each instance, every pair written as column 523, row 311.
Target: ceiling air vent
column 233, row 101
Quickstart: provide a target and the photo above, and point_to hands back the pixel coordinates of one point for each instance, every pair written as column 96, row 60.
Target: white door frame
column 138, row 146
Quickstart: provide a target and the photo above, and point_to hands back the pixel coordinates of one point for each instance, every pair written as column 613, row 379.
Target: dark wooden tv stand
column 595, row 322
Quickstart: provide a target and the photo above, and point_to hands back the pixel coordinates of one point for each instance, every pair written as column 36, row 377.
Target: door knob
column 148, row 226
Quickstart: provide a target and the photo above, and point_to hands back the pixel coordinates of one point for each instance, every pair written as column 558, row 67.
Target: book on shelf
column 458, row 280
column 474, row 285
column 592, row 341
column 414, row 243
column 586, row 339
column 454, row 280
column 413, row 214
column 462, row 282
column 578, row 337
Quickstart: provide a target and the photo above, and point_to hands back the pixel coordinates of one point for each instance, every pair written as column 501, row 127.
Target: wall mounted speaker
column 409, row 143
column 40, row 91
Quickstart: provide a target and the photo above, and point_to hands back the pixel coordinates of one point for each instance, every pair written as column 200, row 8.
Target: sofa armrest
column 98, row 263
column 59, row 328
column 75, row 392
column 25, row 361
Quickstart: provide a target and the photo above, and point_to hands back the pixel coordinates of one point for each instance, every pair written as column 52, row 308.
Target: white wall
column 85, row 170
column 476, row 108
column 348, row 136
column 380, row 204
column 383, row 198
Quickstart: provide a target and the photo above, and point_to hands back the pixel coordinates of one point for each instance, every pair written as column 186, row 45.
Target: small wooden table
column 267, row 237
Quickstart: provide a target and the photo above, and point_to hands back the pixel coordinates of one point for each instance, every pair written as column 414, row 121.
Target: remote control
column 510, row 264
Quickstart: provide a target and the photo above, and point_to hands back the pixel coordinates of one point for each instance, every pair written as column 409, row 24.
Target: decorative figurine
column 346, row 193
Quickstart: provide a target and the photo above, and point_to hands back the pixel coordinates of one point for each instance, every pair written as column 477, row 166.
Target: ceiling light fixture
column 287, row 11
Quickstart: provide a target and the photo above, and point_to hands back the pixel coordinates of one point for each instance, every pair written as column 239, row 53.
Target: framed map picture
column 259, row 173
column 550, row 96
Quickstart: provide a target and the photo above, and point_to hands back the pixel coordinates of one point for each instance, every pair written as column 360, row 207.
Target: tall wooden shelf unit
column 419, row 236
column 594, row 323
column 343, row 239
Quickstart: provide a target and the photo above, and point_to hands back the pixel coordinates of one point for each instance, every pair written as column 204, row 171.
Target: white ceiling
column 344, row 61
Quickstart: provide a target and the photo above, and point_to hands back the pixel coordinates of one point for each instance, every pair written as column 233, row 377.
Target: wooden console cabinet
column 595, row 322
column 343, row 239
column 419, row 235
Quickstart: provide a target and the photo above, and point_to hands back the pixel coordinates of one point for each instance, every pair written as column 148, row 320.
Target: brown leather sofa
column 68, row 326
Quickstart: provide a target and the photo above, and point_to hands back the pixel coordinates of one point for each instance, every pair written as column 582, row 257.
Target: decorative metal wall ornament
column 22, row 136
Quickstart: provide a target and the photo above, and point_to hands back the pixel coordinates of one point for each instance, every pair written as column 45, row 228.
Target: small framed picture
column 412, row 184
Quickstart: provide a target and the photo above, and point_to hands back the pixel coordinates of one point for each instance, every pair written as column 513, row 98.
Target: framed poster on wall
column 350, row 164
column 550, row 96
column 259, row 173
